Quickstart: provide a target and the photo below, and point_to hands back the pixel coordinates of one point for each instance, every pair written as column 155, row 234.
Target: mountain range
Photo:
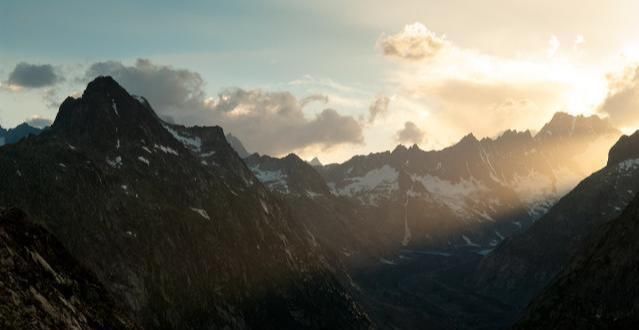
column 476, row 192
column 525, row 263
column 13, row 135
column 464, row 199
column 182, row 228
column 170, row 219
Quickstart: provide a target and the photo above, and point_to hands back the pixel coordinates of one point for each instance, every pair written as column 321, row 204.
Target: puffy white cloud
column 410, row 134
column 416, row 42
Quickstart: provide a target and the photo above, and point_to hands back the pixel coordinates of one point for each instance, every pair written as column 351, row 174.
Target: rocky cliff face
column 477, row 192
column 237, row 145
column 334, row 222
column 171, row 220
column 43, row 287
column 522, row 265
column 597, row 289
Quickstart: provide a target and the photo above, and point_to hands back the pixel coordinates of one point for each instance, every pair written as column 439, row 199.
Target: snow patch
column 139, row 99
column 207, row 154
column 274, row 180
column 264, row 206
column 468, row 241
column 115, row 107
column 629, row 164
column 383, row 179
column 201, row 212
column 386, row 261
column 117, row 163
column 165, row 149
column 193, row 143
column 144, row 160
column 312, row 194
column 453, row 195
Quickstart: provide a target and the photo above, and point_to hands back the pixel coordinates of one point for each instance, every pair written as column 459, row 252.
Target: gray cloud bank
column 622, row 102
column 33, row 75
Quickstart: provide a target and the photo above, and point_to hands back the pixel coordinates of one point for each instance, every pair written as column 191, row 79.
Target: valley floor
column 426, row 289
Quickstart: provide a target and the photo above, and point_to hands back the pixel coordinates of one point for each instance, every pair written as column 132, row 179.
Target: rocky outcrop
column 43, row 287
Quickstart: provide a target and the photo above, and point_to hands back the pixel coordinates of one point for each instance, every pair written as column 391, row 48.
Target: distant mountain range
column 382, row 208
column 470, row 195
column 13, row 135
column 520, row 267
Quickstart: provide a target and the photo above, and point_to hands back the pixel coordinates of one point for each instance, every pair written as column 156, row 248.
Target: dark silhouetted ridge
column 626, row 148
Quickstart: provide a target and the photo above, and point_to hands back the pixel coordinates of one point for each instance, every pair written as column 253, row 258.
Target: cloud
column 579, row 40
column 379, row 107
column 416, row 42
column 553, row 46
column 313, row 98
column 51, row 98
column 622, row 103
column 172, row 92
column 410, row 134
column 38, row 121
column 461, row 106
column 26, row 75
column 268, row 122
column 274, row 123
column 464, row 90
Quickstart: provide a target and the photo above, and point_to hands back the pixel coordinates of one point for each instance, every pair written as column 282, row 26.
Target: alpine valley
column 114, row 218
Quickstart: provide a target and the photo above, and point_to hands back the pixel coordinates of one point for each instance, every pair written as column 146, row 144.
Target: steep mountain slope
column 237, row 145
column 332, row 221
column 597, row 290
column 17, row 133
column 476, row 192
column 171, row 220
column 43, row 287
column 315, row 162
column 522, row 265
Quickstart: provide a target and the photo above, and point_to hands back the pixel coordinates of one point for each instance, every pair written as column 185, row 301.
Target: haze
column 339, row 79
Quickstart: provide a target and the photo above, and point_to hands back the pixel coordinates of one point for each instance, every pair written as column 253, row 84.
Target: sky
column 333, row 78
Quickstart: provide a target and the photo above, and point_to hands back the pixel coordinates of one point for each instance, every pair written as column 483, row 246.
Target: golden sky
column 332, row 78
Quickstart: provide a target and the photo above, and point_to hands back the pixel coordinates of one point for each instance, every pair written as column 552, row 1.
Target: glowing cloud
column 415, row 42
